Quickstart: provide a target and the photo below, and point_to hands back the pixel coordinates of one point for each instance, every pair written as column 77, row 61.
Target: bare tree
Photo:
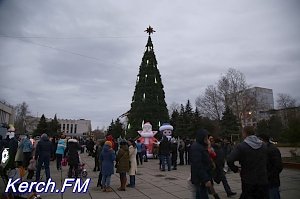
column 285, row 101
column 210, row 104
column 22, row 112
column 235, row 93
column 174, row 106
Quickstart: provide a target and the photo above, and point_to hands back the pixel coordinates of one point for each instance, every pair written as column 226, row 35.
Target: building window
column 64, row 128
column 71, row 128
column 68, row 128
column 75, row 129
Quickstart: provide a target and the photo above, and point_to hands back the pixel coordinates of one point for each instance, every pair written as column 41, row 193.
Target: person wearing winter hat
column 73, row 157
column 107, row 158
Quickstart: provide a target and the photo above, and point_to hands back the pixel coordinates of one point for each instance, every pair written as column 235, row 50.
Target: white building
column 263, row 101
column 75, row 127
column 7, row 116
column 7, row 113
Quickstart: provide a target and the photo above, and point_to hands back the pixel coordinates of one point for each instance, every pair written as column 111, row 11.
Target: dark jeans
column 30, row 174
column 99, row 183
column 144, row 154
column 187, row 161
column 174, row 160
column 132, row 181
column 181, row 158
column 139, row 157
column 201, row 192
column 225, row 184
column 97, row 166
column 165, row 159
column 46, row 161
column 250, row 191
column 58, row 161
column 274, row 193
column 71, row 168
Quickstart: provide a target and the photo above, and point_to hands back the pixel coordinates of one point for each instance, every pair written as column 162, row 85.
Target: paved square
column 152, row 183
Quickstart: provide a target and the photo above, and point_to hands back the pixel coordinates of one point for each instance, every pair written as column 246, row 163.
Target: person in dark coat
column 99, row 151
column 252, row 155
column 12, row 143
column 219, row 175
column 187, row 147
column 174, row 153
column 72, row 155
column 164, row 152
column 201, row 165
column 123, row 164
column 274, row 167
column 107, row 158
column 96, row 156
column 181, row 152
column 43, row 155
column 90, row 147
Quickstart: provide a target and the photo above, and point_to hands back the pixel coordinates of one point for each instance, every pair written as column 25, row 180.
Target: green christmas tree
column 41, row 127
column 229, row 123
column 148, row 101
column 53, row 127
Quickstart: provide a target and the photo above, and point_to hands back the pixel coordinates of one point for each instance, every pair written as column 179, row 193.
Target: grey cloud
column 95, row 48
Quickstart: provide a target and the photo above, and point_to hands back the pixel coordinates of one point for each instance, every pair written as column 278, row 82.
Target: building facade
column 68, row 127
column 7, row 116
column 7, row 113
column 251, row 104
column 75, row 127
column 264, row 101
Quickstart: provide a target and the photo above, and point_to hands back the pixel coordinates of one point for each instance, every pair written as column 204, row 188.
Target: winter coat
column 174, row 149
column 122, row 159
column 26, row 145
column 139, row 147
column 165, row 147
column 72, row 151
column 13, row 147
column 274, row 165
column 132, row 159
column 43, row 148
column 200, row 160
column 219, row 162
column 61, row 146
column 19, row 154
column 107, row 158
column 252, row 155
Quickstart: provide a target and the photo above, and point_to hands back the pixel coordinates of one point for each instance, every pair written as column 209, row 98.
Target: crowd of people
column 259, row 160
column 260, row 165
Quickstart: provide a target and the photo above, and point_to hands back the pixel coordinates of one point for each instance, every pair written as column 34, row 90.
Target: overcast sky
column 80, row 59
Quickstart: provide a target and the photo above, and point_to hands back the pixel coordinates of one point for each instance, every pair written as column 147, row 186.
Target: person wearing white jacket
column 133, row 163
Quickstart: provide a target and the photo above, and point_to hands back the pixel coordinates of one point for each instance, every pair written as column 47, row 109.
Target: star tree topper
column 150, row 30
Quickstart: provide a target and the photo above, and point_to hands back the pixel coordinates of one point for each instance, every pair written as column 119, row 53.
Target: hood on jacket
column 253, row 141
column 200, row 135
column 44, row 137
column 106, row 148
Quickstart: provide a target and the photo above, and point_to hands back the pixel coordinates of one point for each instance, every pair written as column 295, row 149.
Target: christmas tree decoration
column 148, row 102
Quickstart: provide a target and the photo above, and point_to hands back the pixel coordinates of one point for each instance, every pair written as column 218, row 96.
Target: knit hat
column 108, row 143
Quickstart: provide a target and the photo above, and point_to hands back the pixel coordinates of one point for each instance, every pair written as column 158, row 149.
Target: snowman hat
column 166, row 126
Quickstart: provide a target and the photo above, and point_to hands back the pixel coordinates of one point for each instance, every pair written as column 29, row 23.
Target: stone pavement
column 152, row 183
